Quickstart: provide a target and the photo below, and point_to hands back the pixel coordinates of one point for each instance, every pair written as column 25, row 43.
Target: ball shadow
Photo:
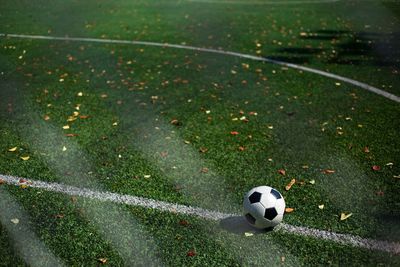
column 238, row 225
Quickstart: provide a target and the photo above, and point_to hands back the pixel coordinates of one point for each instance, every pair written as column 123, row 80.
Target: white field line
column 346, row 239
column 264, row 2
column 210, row 50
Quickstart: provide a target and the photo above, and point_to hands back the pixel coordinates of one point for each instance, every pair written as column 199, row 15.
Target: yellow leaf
column 64, row 148
column 247, row 234
column 321, row 207
column 345, row 216
column 80, row 94
column 312, row 181
column 15, row 221
column 66, row 127
column 25, row 158
column 13, row 149
column 289, row 210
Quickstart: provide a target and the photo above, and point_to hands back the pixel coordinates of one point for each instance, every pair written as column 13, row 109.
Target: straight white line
column 346, row 239
column 210, row 50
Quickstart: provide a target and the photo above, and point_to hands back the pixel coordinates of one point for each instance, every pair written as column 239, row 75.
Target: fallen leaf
column 390, row 164
column 234, row 133
column 203, row 149
column 321, row 207
column 289, row 210
column 186, row 142
column 64, row 148
column 66, row 127
column 292, row 182
column 147, row 176
column 15, row 221
column 327, row 171
column 247, row 234
column 84, row 117
column 396, row 176
column 102, row 260
column 59, row 216
column 282, row 172
column 80, row 94
column 344, row 216
column 312, row 181
column 71, row 135
column 366, row 149
column 183, row 223
column 46, row 117
column 12, row 149
column 376, row 168
column 25, row 158
column 176, row 122
column 191, row 253
column 2, row 181
column 204, row 170
column 242, row 148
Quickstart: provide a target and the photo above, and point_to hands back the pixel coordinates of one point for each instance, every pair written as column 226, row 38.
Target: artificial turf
column 181, row 126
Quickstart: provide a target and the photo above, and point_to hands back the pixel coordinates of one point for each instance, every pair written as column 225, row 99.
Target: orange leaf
column 282, row 172
column 289, row 210
column 292, row 182
column 234, row 133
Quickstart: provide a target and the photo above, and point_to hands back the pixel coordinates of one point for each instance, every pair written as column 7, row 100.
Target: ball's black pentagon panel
column 250, row 218
column 270, row 214
column 276, row 194
column 255, row 197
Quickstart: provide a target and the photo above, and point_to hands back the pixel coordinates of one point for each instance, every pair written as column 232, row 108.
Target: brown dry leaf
column 2, row 181
column 282, row 172
column 292, row 182
column 84, row 117
column 328, row 171
column 183, row 223
column 204, row 170
column 12, row 149
column 344, row 216
column 289, row 210
column 71, row 135
column 46, row 117
column 25, row 158
column 366, row 149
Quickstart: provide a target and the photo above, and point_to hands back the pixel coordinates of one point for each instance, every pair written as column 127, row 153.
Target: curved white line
column 210, row 50
column 345, row 239
column 263, row 3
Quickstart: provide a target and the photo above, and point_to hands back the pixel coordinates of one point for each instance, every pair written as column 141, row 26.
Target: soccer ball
column 263, row 207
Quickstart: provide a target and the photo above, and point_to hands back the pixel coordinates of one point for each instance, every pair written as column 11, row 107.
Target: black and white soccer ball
column 263, row 207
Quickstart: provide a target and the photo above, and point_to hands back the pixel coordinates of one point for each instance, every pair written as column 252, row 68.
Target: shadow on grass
column 345, row 47
column 238, row 225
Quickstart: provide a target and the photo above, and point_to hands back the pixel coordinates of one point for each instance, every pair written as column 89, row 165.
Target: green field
column 198, row 129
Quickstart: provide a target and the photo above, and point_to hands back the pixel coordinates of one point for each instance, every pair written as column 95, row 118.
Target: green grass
column 125, row 142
